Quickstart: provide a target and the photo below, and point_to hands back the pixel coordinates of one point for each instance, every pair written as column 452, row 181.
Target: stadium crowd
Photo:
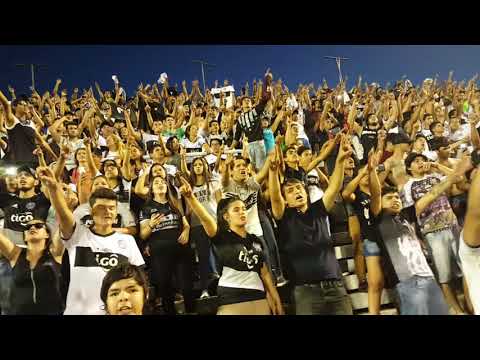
column 126, row 205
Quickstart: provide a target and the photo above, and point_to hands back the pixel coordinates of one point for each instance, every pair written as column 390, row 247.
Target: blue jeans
column 5, row 285
column 421, row 296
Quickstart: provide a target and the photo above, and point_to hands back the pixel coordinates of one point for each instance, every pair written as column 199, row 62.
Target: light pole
column 33, row 67
column 338, row 60
column 205, row 66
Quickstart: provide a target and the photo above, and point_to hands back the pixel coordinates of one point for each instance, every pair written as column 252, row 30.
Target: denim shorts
column 370, row 248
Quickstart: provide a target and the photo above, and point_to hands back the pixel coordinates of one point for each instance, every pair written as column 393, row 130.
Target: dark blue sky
column 80, row 65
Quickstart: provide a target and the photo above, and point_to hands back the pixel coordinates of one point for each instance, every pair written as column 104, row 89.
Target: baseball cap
column 439, row 142
column 28, row 170
column 302, row 149
column 152, row 144
column 400, row 138
column 411, row 157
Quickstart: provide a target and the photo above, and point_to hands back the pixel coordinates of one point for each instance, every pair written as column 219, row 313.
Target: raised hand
column 185, row 188
column 345, row 149
column 66, row 151
column 463, row 166
column 47, row 177
column 38, row 152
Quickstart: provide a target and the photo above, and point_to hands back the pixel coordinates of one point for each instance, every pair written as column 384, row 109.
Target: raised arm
column 207, row 220
column 276, row 198
column 226, row 174
column 326, row 150
column 474, row 135
column 57, row 198
column 471, row 228
column 92, row 168
column 336, row 179
column 348, row 192
column 457, row 176
column 9, row 118
column 131, row 130
column 140, row 188
column 7, row 247
column 375, row 187
column 263, row 173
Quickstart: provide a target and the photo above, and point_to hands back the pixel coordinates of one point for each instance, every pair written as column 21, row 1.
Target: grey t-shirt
column 401, row 249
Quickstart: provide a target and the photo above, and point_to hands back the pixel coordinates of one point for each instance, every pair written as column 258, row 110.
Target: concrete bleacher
column 344, row 253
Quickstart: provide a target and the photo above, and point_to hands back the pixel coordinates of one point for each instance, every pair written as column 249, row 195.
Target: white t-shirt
column 462, row 133
column 470, row 259
column 248, row 193
column 208, row 202
column 91, row 256
column 75, row 145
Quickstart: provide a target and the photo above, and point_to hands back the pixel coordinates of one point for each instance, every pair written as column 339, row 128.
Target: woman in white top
column 208, row 192
column 193, row 143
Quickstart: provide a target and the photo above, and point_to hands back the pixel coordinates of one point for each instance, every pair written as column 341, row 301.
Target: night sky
column 81, row 65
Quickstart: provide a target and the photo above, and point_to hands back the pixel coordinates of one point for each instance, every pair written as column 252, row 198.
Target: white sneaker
column 204, row 294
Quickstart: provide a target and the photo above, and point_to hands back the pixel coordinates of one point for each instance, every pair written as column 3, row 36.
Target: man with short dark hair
column 249, row 125
column 307, row 244
column 436, row 219
column 404, row 264
column 92, row 251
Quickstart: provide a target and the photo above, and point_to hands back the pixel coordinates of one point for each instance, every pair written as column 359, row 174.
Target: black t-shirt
column 240, row 261
column 364, row 214
column 249, row 124
column 402, row 254
column 18, row 212
column 291, row 173
column 368, row 139
column 21, row 143
column 167, row 232
column 307, row 245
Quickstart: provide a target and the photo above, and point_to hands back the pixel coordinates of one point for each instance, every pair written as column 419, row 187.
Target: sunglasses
column 37, row 226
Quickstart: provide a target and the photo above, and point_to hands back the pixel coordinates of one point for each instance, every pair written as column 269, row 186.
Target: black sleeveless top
column 36, row 291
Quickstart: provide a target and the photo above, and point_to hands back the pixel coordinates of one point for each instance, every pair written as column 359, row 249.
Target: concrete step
column 383, row 312
column 344, row 252
column 347, row 265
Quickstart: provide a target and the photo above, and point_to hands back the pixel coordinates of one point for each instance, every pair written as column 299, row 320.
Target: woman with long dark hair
column 245, row 286
column 209, row 193
column 164, row 226
column 36, row 272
